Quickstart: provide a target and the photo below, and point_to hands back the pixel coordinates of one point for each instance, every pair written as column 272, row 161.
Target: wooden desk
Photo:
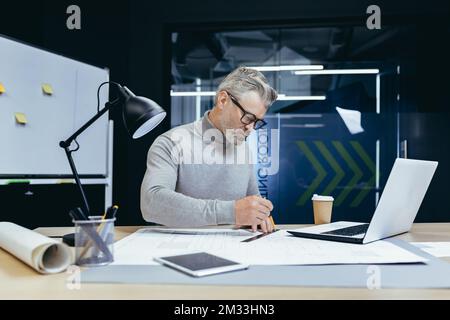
column 18, row 281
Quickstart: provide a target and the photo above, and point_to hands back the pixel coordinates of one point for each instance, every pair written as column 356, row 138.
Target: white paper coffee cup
column 322, row 207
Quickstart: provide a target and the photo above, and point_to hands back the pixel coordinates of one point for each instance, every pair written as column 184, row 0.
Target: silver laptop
column 398, row 206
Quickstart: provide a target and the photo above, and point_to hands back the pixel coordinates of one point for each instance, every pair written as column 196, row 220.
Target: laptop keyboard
column 349, row 231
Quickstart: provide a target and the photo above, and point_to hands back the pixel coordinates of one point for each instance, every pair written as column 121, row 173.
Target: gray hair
column 244, row 79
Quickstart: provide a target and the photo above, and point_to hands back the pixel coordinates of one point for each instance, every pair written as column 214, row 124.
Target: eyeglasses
column 247, row 117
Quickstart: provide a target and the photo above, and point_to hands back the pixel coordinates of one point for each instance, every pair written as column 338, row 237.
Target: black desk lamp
column 140, row 116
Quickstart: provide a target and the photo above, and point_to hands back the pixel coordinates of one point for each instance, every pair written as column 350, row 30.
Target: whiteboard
column 33, row 148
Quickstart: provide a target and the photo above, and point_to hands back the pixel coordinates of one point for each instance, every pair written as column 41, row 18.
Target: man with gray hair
column 218, row 189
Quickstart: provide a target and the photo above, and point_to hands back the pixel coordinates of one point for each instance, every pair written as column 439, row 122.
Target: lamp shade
column 141, row 115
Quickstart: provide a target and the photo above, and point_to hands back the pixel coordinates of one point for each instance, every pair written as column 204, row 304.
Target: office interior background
column 171, row 50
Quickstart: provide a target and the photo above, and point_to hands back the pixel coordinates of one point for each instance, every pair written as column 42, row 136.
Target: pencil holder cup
column 94, row 241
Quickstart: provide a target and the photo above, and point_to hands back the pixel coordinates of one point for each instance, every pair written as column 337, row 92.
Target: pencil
column 273, row 223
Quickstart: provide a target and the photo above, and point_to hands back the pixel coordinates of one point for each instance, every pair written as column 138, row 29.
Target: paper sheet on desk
column 437, row 249
column 42, row 253
column 278, row 248
column 145, row 244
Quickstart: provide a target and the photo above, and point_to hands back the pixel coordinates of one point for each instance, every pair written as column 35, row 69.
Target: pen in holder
column 94, row 239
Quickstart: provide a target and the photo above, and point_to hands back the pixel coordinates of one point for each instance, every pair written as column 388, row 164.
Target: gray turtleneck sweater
column 194, row 176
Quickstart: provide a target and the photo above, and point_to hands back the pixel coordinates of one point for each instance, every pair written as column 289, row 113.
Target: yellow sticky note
column 47, row 89
column 2, row 88
column 21, row 118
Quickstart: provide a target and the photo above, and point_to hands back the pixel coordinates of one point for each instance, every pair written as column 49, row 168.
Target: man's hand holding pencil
column 254, row 211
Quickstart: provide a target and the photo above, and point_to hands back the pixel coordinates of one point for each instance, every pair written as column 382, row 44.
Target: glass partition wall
column 342, row 116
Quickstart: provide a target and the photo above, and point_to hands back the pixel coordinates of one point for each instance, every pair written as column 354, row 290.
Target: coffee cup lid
column 316, row 197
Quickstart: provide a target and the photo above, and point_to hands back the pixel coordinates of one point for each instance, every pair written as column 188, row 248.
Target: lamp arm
column 66, row 144
column 86, row 209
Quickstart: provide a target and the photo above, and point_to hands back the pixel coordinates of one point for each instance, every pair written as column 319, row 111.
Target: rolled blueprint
column 42, row 253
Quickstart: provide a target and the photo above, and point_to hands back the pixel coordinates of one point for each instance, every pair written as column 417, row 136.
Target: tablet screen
column 199, row 261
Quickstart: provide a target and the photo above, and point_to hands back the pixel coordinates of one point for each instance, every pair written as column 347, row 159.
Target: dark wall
column 131, row 38
column 103, row 40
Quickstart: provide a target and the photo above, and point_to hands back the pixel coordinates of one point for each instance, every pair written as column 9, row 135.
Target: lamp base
column 69, row 239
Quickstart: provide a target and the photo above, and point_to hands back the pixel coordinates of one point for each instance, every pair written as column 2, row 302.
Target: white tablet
column 200, row 264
